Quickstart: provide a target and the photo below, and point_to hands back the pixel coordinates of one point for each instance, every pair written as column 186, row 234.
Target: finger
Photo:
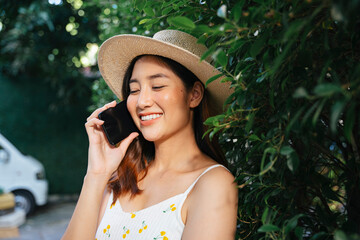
column 92, row 123
column 103, row 108
column 99, row 110
column 126, row 142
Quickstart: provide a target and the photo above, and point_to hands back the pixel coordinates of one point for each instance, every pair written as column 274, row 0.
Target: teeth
column 150, row 117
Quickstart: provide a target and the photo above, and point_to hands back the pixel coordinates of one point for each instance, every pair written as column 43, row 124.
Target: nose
column 145, row 99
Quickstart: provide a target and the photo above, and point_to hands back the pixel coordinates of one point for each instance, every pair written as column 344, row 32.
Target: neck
column 177, row 152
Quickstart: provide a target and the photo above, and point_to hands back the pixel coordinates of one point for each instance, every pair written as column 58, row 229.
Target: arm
column 84, row 221
column 103, row 160
column 212, row 210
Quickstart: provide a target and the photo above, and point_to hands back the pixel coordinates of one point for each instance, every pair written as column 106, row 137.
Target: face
column 158, row 102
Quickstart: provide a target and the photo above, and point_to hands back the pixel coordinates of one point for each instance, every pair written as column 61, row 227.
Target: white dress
column 159, row 221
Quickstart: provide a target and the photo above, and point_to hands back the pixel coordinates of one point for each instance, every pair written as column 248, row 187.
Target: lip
column 149, row 122
column 149, row 113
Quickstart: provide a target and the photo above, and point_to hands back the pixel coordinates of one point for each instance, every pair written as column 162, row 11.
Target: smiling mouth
column 150, row 117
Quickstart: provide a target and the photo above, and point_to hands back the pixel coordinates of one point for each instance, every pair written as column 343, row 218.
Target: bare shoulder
column 216, row 181
column 214, row 197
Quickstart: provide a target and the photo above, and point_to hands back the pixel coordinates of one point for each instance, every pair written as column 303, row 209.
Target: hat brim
column 116, row 54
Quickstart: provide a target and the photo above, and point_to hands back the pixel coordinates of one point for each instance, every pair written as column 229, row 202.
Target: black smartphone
column 118, row 123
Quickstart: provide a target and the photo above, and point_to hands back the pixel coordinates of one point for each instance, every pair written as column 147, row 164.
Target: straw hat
column 117, row 52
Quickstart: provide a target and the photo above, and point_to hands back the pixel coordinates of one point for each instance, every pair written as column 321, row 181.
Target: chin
column 150, row 137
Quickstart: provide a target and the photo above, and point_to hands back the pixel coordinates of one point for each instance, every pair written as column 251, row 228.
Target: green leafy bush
column 44, row 41
column 291, row 129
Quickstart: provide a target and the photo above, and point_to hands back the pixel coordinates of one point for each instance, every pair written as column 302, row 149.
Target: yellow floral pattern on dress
column 133, row 215
column 126, row 232
column 161, row 236
column 143, row 227
column 107, row 231
column 171, row 208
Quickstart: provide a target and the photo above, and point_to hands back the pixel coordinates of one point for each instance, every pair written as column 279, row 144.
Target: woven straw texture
column 116, row 53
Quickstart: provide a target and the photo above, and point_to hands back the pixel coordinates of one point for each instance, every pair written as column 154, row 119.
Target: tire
column 24, row 200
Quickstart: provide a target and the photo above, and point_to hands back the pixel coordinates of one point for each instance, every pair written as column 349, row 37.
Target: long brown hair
column 141, row 152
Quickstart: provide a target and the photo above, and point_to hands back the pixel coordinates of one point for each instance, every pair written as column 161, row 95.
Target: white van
column 22, row 175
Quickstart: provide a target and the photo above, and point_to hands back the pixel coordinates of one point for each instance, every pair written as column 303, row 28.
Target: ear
column 196, row 94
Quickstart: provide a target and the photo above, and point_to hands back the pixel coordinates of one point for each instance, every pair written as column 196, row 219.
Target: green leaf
column 318, row 111
column 286, row 150
column 293, row 161
column 279, row 60
column 250, row 121
column 327, row 89
column 340, row 235
column 236, row 46
column 273, row 41
column 181, row 22
column 294, row 119
column 349, row 122
column 207, row 131
column 202, row 39
column 256, row 47
column 264, row 216
column 226, row 79
column 140, row 4
column 214, row 121
column 149, row 25
column 208, row 52
column 261, row 78
column 231, row 98
column 300, row 93
column 294, row 29
column 221, row 58
column 292, row 223
column 166, row 11
column 299, row 232
column 319, row 235
column 149, row 11
column 202, row 29
column 214, row 131
column 309, row 112
column 213, row 78
column 270, row 150
column 268, row 228
column 237, row 10
column 253, row 137
column 336, row 111
column 144, row 21
column 168, row 3
column 221, row 12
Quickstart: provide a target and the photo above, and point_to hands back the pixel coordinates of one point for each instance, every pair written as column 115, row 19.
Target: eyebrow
column 151, row 77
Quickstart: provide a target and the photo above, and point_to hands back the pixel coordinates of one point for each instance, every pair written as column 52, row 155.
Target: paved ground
column 48, row 222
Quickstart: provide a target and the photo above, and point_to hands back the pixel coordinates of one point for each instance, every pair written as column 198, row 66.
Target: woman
column 166, row 183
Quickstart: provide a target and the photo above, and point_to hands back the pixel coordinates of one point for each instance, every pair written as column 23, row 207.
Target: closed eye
column 157, row 87
column 133, row 91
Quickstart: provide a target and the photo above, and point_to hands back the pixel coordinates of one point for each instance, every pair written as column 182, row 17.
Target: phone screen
column 118, row 123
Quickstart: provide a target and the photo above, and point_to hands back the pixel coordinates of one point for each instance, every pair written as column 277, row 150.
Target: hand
column 104, row 158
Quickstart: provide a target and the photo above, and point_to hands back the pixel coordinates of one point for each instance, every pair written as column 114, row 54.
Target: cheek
column 131, row 106
column 174, row 98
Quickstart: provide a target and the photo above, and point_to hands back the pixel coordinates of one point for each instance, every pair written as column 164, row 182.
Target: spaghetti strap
column 206, row 170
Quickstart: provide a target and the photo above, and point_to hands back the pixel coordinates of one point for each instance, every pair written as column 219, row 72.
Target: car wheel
column 24, row 200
